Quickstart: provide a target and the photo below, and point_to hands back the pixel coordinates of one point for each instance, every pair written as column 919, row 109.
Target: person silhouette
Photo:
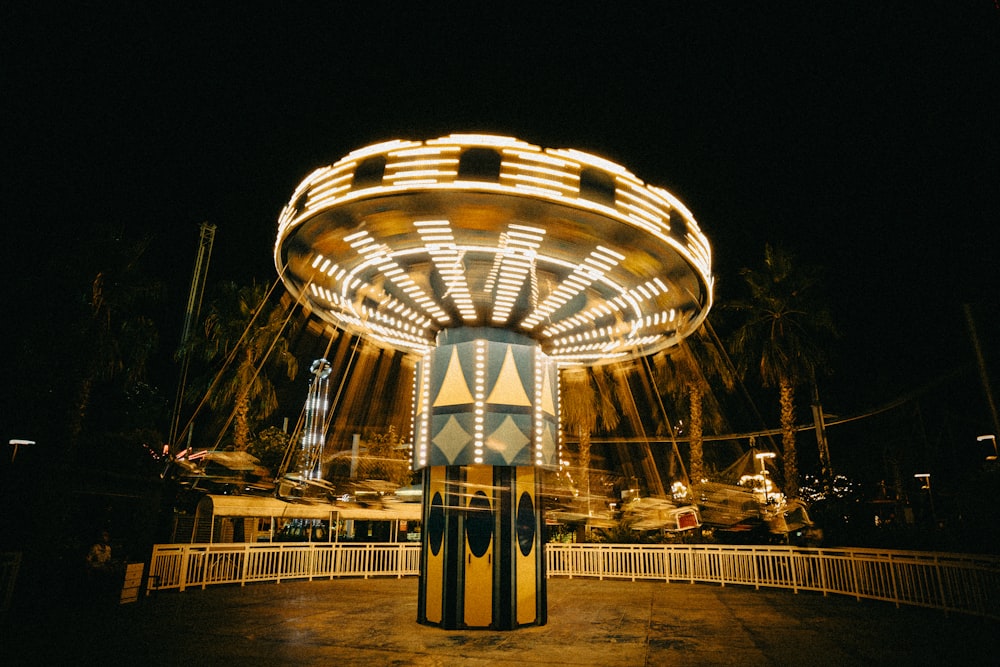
column 100, row 568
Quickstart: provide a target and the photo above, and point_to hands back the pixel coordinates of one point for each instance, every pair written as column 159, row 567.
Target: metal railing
column 180, row 566
column 949, row 582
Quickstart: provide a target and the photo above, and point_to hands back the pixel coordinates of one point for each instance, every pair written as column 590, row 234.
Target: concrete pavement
column 591, row 622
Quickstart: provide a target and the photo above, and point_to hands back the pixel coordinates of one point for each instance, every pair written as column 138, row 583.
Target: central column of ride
column 485, row 422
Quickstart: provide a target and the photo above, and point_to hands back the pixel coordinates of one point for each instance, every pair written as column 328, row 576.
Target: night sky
column 863, row 136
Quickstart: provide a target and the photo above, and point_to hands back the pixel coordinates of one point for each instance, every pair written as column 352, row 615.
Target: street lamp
column 763, row 471
column 764, row 455
column 992, row 438
column 18, row 442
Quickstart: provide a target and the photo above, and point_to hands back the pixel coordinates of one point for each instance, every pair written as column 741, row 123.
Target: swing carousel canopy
column 401, row 240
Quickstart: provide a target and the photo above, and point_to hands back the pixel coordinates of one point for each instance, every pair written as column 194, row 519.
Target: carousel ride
column 497, row 263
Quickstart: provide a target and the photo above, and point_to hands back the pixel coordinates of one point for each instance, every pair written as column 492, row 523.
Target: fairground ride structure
column 496, row 262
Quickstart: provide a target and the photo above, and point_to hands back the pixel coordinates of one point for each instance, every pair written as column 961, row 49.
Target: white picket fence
column 182, row 566
column 949, row 582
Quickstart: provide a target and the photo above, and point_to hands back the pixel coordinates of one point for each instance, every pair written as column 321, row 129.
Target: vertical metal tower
column 316, row 416
column 191, row 312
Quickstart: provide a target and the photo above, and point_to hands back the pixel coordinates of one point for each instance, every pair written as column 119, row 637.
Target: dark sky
column 861, row 135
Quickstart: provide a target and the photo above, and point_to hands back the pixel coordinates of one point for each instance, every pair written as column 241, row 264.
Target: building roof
column 266, row 506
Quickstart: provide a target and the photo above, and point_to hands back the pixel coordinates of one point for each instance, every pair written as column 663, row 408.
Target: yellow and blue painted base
column 483, row 562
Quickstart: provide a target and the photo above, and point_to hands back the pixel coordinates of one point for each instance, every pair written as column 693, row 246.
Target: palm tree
column 779, row 334
column 585, row 404
column 240, row 336
column 117, row 337
column 686, row 370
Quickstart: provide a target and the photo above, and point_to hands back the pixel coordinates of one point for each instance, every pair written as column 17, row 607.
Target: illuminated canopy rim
column 401, row 240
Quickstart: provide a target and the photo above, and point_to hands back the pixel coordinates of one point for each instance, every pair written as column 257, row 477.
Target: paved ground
column 591, row 622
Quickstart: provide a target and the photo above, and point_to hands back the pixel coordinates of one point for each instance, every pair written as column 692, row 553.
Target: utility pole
column 824, row 449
